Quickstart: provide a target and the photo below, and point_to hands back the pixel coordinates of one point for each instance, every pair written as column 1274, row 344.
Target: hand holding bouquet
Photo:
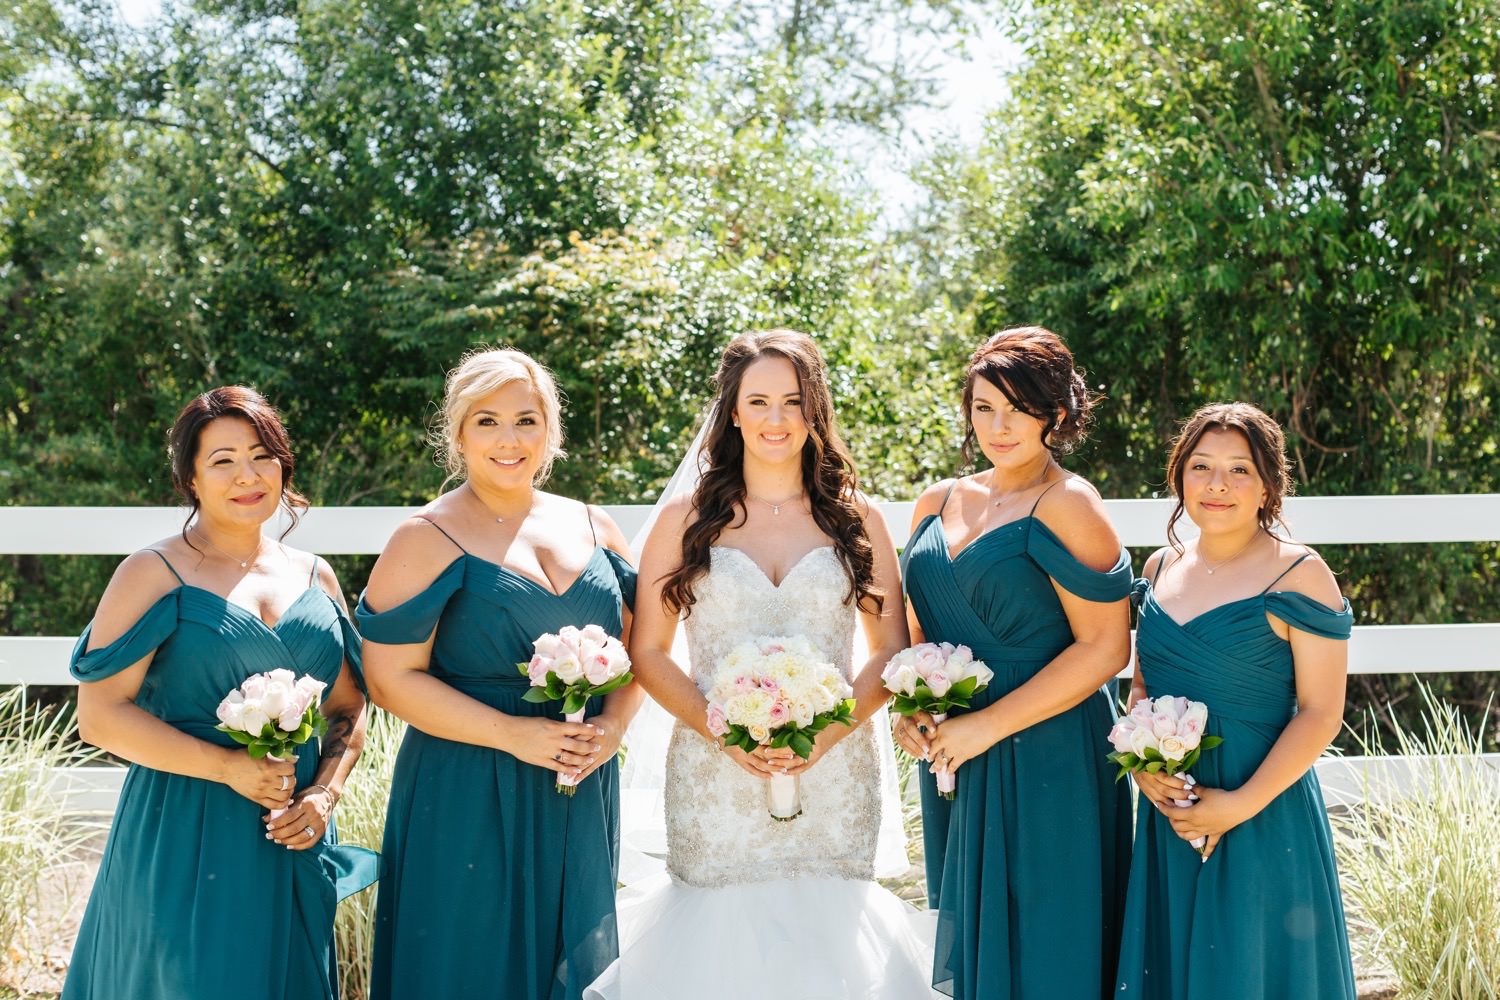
column 1163, row 736
column 935, row 677
column 272, row 714
column 778, row 692
column 573, row 665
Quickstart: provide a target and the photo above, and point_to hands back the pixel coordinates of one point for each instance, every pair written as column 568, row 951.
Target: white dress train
column 750, row 907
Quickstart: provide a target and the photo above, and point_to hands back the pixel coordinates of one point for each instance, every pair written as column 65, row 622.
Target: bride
column 774, row 540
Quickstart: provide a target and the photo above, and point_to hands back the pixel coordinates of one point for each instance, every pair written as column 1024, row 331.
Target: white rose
column 290, row 719
column 1196, row 712
column 1141, row 740
column 1173, row 748
column 1166, row 705
column 802, row 712
column 759, row 733
column 254, row 719
column 277, row 697
column 982, row 674
column 566, row 666
column 904, row 680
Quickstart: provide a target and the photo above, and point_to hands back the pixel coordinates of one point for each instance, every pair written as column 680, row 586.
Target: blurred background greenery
column 1290, row 203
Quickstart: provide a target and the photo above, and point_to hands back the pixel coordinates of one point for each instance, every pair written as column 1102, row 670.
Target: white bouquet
column 778, row 691
column 272, row 714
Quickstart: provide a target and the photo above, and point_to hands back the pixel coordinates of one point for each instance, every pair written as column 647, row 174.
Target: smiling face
column 768, row 409
column 1222, row 490
column 235, row 477
column 503, row 437
column 1008, row 437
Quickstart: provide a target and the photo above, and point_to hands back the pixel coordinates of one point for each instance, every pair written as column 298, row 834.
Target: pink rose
column 598, row 668
column 536, row 670
column 1119, row 737
column 744, row 684
column 779, row 714
column 717, row 725
column 938, row 682
column 254, row 687
column 929, row 658
column 1163, row 726
column 769, row 684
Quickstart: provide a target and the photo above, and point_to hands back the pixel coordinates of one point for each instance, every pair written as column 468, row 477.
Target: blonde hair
column 480, row 373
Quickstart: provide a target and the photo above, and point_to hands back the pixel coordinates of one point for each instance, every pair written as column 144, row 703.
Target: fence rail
column 1376, row 649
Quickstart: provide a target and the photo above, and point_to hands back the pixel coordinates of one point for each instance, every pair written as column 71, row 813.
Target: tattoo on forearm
column 339, row 736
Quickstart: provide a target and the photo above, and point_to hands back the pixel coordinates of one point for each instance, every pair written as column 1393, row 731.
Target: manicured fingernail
column 269, row 837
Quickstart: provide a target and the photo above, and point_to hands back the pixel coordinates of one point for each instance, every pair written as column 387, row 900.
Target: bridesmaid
column 1254, row 626
column 195, row 875
column 496, row 884
column 1020, row 564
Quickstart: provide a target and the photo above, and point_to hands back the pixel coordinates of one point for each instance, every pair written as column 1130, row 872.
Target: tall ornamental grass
column 1420, row 860
column 361, row 820
column 39, row 841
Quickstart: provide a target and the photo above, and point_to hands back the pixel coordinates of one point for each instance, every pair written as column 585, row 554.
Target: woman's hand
column 305, row 822
column 822, row 743
column 265, row 782
column 554, row 745
column 914, row 733
column 1214, row 814
column 755, row 763
column 610, row 731
column 960, row 739
column 1160, row 789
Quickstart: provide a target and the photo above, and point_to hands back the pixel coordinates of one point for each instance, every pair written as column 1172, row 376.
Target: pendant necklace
column 1231, row 559
column 775, row 507
column 244, row 563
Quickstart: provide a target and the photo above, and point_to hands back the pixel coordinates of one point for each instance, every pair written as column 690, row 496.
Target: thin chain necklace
column 776, row 507
column 1211, row 569
column 1007, row 498
column 530, row 502
column 244, row 563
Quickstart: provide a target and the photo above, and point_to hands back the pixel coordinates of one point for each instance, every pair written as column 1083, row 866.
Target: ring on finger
column 310, row 831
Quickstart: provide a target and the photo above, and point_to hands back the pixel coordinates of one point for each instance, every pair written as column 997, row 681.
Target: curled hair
column 828, row 473
column 246, row 404
column 480, row 373
column 1267, row 453
column 1033, row 368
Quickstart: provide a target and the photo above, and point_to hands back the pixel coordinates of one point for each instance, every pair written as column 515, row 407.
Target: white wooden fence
column 1376, row 649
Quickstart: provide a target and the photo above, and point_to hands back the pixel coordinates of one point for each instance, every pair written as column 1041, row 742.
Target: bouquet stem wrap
column 784, row 797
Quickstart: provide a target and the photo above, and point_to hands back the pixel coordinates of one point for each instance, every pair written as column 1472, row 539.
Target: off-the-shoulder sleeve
column 1073, row 576
column 625, row 573
column 142, row 638
column 352, row 655
column 414, row 619
column 1302, row 612
column 1138, row 589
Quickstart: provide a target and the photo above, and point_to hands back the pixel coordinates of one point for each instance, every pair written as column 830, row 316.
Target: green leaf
column 537, row 696
column 801, row 745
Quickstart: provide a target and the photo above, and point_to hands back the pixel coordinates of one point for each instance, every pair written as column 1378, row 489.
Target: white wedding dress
column 750, row 907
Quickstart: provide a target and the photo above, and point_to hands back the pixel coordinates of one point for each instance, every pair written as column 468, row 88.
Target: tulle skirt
column 793, row 939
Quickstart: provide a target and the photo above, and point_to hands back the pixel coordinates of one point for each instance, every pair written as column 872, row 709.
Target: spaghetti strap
column 944, row 504
column 593, row 533
column 169, row 566
column 1284, row 572
column 1039, row 496
column 314, row 574
column 1161, row 564
column 450, row 538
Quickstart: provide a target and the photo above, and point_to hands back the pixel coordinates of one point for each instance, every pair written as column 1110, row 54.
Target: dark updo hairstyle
column 1033, row 368
column 828, row 474
column 246, row 404
column 1267, row 453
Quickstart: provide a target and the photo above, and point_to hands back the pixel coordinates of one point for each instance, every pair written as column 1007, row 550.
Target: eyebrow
column 766, row 395
column 257, row 446
column 1232, row 458
column 492, row 413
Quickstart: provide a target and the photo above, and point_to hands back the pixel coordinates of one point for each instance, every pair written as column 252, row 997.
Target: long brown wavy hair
column 1267, row 453
column 828, row 473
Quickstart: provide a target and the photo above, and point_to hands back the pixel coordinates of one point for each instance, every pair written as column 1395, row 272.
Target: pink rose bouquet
column 272, row 714
column 935, row 677
column 1163, row 736
column 778, row 692
column 573, row 665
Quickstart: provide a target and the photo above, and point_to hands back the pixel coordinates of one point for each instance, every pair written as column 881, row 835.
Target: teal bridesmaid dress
column 1262, row 917
column 1027, row 864
column 496, row 886
column 191, row 900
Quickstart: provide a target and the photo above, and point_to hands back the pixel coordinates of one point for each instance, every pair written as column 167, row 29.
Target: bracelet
column 331, row 793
